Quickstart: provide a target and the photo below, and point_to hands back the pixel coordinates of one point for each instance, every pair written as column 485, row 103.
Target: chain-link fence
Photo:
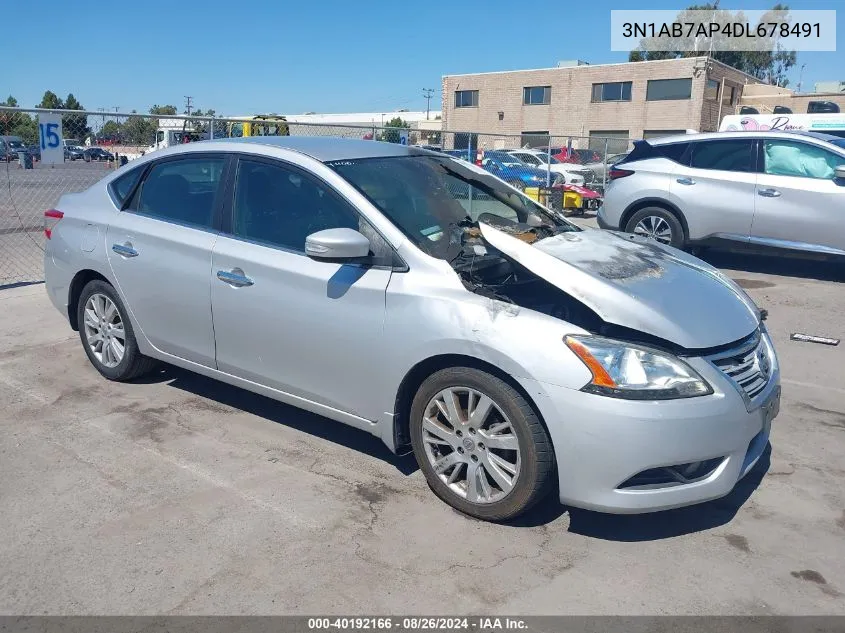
column 567, row 172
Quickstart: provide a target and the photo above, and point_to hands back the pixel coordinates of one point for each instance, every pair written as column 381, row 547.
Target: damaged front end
column 605, row 283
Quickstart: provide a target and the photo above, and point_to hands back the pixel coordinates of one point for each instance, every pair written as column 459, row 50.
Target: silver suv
column 771, row 189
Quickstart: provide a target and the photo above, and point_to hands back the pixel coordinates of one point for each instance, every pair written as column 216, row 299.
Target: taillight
column 614, row 174
column 51, row 219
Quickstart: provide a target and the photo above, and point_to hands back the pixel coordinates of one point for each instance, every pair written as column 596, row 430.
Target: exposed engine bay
column 489, row 273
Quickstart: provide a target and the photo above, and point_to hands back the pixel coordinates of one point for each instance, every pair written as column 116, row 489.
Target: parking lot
column 176, row 494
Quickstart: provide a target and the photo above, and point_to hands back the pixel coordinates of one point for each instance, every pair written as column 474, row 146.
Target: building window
column 728, row 96
column 668, row 89
column 616, row 91
column 647, row 134
column 536, row 95
column 466, row 98
column 711, row 90
column 534, row 139
column 617, row 141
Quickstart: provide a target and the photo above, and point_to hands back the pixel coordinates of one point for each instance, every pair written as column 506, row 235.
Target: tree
column 138, row 130
column 163, row 110
column 74, row 125
column 50, row 101
column 391, row 135
column 111, row 131
column 10, row 101
column 770, row 65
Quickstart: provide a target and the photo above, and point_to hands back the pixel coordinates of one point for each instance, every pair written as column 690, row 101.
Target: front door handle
column 769, row 193
column 685, row 181
column 125, row 250
column 234, row 278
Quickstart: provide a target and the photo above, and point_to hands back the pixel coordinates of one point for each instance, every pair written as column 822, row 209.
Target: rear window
column 121, row 187
column 728, row 155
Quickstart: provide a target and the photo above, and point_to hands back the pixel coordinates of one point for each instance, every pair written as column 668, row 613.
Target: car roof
column 329, row 148
column 704, row 136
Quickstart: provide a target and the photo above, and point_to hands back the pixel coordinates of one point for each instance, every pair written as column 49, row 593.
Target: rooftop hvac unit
column 782, row 110
column 748, row 110
column 822, row 107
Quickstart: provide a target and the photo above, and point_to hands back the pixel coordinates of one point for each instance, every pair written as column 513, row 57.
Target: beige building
column 764, row 98
column 619, row 101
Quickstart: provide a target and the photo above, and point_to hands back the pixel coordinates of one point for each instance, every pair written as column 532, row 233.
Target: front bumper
column 603, row 444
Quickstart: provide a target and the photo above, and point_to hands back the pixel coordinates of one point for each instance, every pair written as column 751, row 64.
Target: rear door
column 715, row 187
column 799, row 202
column 159, row 249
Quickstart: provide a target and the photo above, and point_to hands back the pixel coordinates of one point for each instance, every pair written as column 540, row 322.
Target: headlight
column 536, row 178
column 624, row 370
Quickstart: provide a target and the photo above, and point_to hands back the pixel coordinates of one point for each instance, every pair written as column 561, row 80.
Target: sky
column 327, row 56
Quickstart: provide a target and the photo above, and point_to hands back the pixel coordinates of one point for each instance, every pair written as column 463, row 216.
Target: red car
column 577, row 156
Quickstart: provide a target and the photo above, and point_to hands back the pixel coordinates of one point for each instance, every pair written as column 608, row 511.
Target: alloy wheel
column 471, row 445
column 104, row 331
column 655, row 227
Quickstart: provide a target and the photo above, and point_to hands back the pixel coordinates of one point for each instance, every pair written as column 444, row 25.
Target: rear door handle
column 234, row 278
column 685, row 181
column 769, row 193
column 125, row 250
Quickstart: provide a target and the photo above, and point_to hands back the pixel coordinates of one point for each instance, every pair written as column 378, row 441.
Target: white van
column 833, row 124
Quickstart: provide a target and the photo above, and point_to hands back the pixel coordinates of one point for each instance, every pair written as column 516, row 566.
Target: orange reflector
column 600, row 375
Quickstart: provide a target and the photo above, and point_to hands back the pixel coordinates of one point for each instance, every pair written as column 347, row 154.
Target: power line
column 427, row 92
column 188, row 104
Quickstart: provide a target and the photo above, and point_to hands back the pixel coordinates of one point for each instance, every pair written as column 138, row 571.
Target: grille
column 750, row 367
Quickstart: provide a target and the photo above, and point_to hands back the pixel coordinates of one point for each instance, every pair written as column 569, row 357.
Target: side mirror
column 337, row 245
column 839, row 172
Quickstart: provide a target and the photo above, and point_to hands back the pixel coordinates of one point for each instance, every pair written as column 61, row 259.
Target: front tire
column 658, row 224
column 106, row 334
column 480, row 445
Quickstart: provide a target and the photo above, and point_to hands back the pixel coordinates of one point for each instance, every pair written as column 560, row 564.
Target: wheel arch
column 412, row 380
column 79, row 281
column 654, row 202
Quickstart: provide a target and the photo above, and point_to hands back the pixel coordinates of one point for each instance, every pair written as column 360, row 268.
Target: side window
column 728, row 155
column 121, row 187
column 181, row 190
column 789, row 158
column 676, row 152
column 281, row 207
column 529, row 159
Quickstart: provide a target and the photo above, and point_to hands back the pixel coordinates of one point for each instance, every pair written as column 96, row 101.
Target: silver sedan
column 423, row 300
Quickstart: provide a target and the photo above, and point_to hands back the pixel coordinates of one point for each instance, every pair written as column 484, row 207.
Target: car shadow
column 632, row 528
column 280, row 413
column 823, row 270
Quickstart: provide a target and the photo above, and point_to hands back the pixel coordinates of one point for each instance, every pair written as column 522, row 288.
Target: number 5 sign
column 50, row 139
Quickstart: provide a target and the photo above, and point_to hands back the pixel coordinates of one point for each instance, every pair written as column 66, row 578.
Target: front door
column 283, row 320
column 159, row 249
column 800, row 203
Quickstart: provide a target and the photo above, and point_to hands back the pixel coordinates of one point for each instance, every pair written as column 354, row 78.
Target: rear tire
column 495, row 481
column 659, row 224
column 107, row 335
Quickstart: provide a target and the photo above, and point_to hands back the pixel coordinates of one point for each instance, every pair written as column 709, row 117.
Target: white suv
column 771, row 189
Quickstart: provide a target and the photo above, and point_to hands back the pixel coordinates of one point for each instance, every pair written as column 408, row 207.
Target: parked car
column 578, row 156
column 96, row 154
column 35, row 152
column 422, row 300
column 737, row 189
column 74, row 153
column 542, row 161
column 13, row 148
column 599, row 169
column 516, row 173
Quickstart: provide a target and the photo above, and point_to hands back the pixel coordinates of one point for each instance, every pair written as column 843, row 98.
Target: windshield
column 434, row 200
column 16, row 144
column 839, row 142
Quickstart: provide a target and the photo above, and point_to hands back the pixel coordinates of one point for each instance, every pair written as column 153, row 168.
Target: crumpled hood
column 638, row 283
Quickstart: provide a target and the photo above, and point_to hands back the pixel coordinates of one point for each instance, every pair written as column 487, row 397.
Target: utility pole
column 801, row 78
column 427, row 92
column 188, row 101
